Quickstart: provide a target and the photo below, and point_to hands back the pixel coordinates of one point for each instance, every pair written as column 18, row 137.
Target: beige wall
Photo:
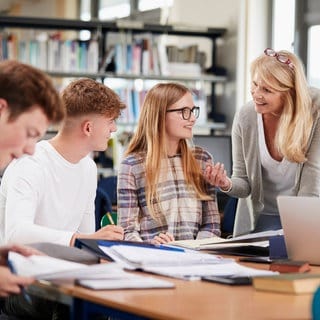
column 41, row 8
column 220, row 14
column 213, row 13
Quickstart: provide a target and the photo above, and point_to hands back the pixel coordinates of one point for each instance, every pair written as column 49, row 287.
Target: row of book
column 187, row 54
column 133, row 100
column 52, row 53
column 147, row 54
column 139, row 54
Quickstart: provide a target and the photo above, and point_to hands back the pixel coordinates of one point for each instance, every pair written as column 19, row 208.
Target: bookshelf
column 52, row 40
column 100, row 30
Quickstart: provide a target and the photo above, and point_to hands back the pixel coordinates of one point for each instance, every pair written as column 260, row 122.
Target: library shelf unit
column 99, row 33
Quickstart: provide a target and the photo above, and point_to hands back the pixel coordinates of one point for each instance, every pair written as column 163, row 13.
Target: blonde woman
column 162, row 195
column 276, row 143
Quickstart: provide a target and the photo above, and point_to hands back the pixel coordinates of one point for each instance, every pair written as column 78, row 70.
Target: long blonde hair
column 150, row 138
column 296, row 119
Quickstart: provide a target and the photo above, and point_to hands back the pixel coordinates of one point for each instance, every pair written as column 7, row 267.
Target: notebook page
column 142, row 257
column 195, row 272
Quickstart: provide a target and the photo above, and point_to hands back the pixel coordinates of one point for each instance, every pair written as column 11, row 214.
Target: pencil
column 110, row 218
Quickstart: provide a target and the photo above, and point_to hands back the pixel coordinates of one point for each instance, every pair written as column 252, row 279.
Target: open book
column 95, row 276
column 184, row 264
column 260, row 239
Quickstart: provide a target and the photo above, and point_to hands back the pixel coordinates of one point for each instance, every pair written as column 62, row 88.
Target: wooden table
column 189, row 300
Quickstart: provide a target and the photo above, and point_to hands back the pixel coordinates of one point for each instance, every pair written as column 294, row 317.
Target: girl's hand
column 162, row 238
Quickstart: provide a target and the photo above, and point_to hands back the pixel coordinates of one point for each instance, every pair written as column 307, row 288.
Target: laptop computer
column 300, row 219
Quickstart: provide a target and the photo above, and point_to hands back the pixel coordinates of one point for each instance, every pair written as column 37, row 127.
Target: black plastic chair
column 229, row 214
column 109, row 185
column 106, row 198
column 102, row 205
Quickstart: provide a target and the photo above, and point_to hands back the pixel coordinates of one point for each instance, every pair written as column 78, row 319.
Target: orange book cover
column 289, row 266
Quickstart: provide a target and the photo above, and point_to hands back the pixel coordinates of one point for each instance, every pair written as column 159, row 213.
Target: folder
column 66, row 252
column 93, row 246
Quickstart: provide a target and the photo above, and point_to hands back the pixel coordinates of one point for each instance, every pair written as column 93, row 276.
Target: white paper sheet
column 141, row 257
column 251, row 239
column 195, row 272
column 97, row 276
column 132, row 282
column 189, row 265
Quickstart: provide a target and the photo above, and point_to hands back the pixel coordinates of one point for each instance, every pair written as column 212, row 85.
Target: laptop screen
column 300, row 220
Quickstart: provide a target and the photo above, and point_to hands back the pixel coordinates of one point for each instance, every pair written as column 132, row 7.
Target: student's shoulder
column 27, row 168
column 134, row 159
column 88, row 161
column 27, row 162
column 87, row 166
column 42, row 154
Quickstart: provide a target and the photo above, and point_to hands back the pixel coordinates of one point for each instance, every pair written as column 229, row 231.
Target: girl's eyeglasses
column 186, row 112
column 280, row 57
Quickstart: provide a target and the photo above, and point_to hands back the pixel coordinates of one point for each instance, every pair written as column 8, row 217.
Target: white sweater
column 44, row 198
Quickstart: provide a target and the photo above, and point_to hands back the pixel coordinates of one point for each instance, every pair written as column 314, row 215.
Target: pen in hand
column 23, row 291
column 110, row 218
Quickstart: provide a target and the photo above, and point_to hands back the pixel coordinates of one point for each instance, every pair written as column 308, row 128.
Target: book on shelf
column 187, row 54
column 134, row 54
column 163, row 58
column 146, row 58
column 92, row 62
column 52, row 51
column 293, row 283
column 107, row 61
column 147, row 54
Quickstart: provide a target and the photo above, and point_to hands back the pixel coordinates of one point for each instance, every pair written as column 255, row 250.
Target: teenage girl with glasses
column 162, row 195
column 275, row 141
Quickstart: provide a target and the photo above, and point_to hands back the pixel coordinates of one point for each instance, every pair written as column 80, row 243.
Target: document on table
column 42, row 266
column 129, row 281
column 195, row 272
column 251, row 239
column 96, row 276
column 224, row 245
column 141, row 257
column 188, row 265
